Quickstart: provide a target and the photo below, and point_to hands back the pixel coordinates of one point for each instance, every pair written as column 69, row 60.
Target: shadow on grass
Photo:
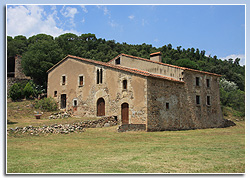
column 11, row 122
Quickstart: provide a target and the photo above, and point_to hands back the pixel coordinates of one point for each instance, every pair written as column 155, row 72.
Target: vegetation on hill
column 40, row 52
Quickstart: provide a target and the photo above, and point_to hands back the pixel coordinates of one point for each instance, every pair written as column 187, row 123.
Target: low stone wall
column 103, row 122
column 131, row 127
column 65, row 128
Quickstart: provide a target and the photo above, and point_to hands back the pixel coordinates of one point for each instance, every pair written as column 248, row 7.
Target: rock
column 98, row 126
column 106, row 125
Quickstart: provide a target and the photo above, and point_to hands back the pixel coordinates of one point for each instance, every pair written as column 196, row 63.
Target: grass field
column 104, row 150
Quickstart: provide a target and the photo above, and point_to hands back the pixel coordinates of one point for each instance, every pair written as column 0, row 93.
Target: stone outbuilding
column 15, row 72
column 144, row 93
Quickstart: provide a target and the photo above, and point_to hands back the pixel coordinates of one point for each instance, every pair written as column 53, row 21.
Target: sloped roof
column 131, row 70
column 164, row 64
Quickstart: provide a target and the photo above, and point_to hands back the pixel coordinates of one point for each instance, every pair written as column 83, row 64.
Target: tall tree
column 39, row 57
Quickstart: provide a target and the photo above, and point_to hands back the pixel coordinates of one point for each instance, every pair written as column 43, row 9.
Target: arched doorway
column 125, row 113
column 100, row 107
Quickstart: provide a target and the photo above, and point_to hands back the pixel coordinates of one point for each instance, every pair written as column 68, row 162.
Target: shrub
column 28, row 90
column 46, row 104
column 15, row 92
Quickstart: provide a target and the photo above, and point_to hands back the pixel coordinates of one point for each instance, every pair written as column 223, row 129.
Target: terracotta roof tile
column 155, row 53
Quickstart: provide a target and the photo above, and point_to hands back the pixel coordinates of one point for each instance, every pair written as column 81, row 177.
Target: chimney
column 156, row 57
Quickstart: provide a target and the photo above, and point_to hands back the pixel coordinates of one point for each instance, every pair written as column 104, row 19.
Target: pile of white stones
column 59, row 115
column 55, row 129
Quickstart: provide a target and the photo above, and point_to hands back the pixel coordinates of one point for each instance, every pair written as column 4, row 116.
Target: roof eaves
column 57, row 63
column 203, row 72
column 131, row 70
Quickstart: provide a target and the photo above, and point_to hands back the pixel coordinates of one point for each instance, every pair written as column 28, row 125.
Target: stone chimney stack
column 156, row 57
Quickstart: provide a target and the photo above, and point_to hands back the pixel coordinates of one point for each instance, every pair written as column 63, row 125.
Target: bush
column 15, row 92
column 28, row 90
column 46, row 104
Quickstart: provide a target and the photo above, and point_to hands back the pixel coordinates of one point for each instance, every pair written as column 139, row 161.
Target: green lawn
column 104, row 150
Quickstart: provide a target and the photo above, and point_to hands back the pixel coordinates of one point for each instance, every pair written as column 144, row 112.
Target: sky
column 217, row 29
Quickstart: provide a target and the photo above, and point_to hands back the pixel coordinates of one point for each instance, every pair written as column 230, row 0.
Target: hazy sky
column 217, row 29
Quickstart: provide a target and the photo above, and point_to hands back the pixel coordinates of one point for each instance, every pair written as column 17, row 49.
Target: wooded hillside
column 40, row 52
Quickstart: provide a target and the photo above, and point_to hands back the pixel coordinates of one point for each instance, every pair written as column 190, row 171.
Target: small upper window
column 63, row 80
column 198, row 101
column 75, row 102
column 208, row 100
column 80, row 80
column 118, row 61
column 197, row 81
column 167, row 106
column 208, row 82
column 99, row 76
column 124, row 83
column 55, row 93
column 101, row 72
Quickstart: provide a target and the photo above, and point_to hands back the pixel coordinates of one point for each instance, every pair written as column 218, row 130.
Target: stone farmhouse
column 137, row 91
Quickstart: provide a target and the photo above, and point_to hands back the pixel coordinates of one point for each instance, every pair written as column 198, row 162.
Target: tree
column 39, row 57
column 237, row 61
column 16, row 45
column 186, row 63
column 68, row 43
column 40, row 37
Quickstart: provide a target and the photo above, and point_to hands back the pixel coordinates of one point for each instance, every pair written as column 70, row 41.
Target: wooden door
column 63, row 101
column 125, row 113
column 100, row 107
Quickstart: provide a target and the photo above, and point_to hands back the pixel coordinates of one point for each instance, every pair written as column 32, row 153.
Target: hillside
column 40, row 52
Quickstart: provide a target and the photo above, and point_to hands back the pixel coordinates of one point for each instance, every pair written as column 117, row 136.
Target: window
column 63, row 80
column 124, row 84
column 197, row 81
column 198, row 100
column 208, row 83
column 80, row 80
column 55, row 93
column 208, row 100
column 75, row 102
column 99, row 76
column 118, row 61
column 167, row 106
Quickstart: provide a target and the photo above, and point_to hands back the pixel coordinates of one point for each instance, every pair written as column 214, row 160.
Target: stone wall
column 166, row 108
column 205, row 115
column 19, row 75
column 18, row 68
column 131, row 127
column 172, row 106
column 65, row 128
